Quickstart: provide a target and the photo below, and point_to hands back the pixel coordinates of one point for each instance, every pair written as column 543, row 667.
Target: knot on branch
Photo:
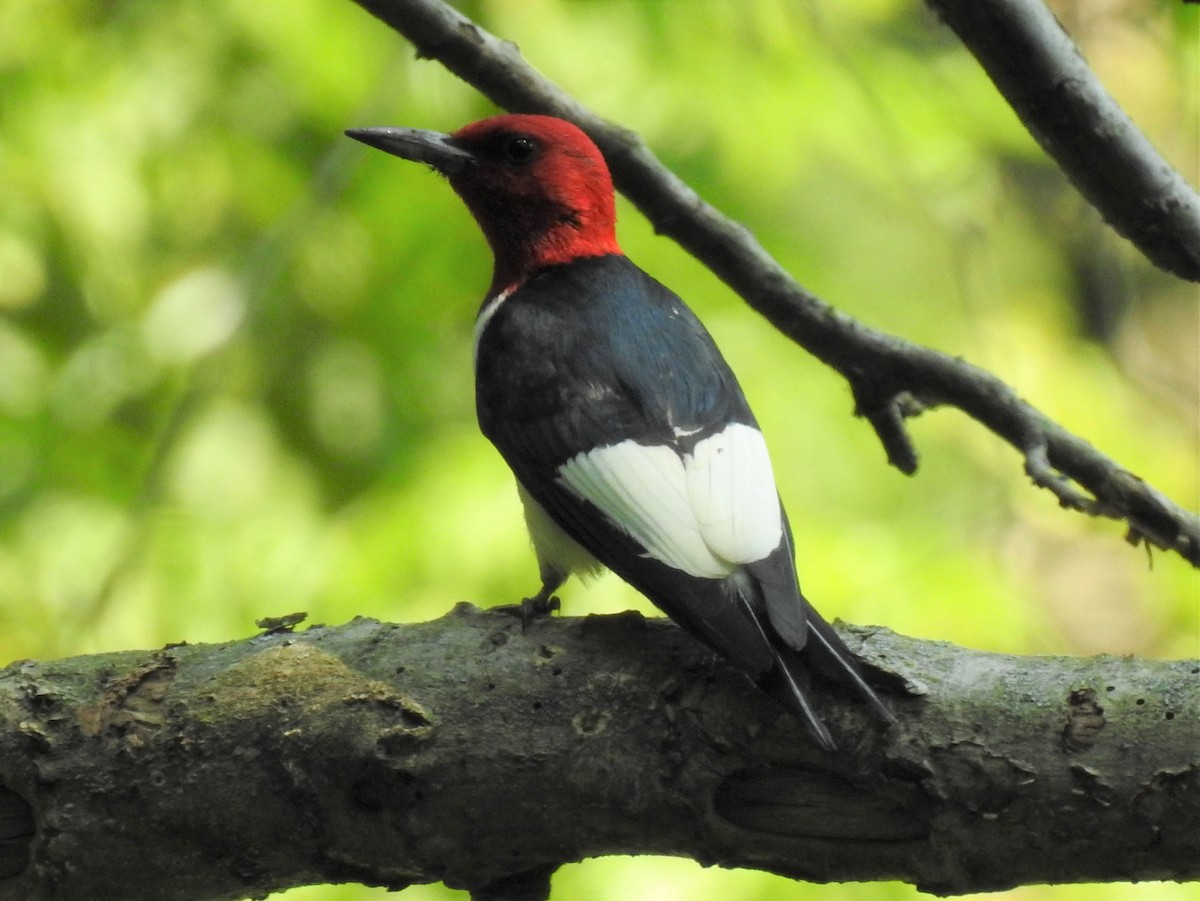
column 1044, row 475
column 885, row 408
column 528, row 885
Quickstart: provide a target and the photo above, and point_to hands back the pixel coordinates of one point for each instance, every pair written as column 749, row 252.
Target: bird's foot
column 541, row 604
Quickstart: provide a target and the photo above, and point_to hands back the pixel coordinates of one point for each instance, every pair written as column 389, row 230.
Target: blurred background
column 235, row 370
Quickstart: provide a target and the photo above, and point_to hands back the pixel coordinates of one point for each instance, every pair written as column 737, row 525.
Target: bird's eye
column 520, row 149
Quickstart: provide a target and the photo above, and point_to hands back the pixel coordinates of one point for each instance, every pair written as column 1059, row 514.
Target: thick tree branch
column 1039, row 70
column 891, row 378
column 466, row 751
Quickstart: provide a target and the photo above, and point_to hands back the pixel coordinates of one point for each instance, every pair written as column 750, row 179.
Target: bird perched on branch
column 630, row 439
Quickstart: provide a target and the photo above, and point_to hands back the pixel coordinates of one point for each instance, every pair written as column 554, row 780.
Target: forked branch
column 891, row 378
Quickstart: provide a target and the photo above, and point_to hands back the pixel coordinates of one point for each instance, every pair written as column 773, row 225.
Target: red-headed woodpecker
column 631, row 441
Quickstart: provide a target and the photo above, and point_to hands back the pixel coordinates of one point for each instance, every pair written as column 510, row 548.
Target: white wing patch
column 732, row 490
column 704, row 513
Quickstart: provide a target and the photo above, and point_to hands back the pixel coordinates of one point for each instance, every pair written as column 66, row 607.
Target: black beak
column 430, row 147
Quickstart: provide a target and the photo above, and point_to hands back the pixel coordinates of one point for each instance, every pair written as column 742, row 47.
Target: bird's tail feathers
column 793, row 695
column 823, row 653
column 827, row 654
column 789, row 685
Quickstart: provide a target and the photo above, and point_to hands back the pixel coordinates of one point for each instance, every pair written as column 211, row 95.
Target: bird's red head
column 538, row 187
column 540, row 191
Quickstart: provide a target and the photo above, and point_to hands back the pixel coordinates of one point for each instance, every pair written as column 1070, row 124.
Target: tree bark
column 466, row 751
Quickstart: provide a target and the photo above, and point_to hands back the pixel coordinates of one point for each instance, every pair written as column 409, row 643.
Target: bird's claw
column 531, row 608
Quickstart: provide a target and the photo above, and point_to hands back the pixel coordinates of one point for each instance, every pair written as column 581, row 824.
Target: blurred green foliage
column 235, row 346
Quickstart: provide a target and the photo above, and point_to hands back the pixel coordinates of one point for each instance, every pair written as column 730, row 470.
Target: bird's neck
column 519, row 256
column 527, row 235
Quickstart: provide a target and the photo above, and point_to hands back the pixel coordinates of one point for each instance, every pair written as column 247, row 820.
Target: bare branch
column 891, row 378
column 469, row 752
column 1036, row 66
